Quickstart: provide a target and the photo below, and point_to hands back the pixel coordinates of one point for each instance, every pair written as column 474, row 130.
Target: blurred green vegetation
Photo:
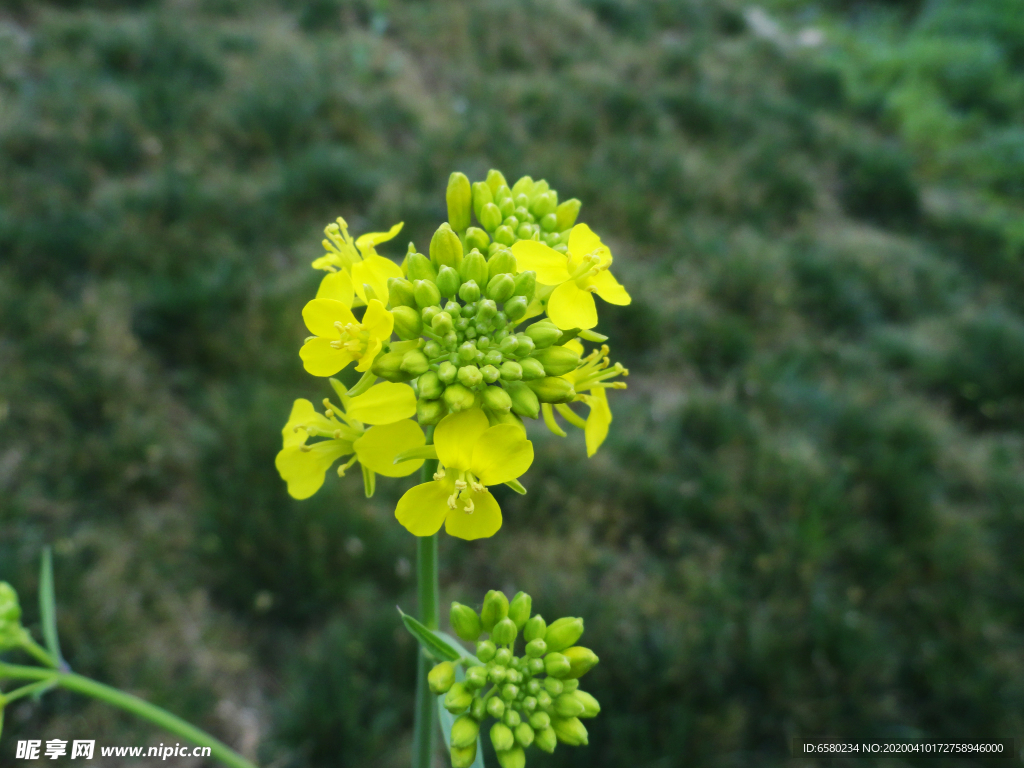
column 806, row 518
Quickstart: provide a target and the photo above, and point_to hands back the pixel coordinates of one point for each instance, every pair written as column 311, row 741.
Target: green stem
column 26, row 690
column 131, row 704
column 430, row 614
column 32, row 647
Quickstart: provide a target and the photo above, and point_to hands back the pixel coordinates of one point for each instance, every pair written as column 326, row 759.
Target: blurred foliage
column 805, row 520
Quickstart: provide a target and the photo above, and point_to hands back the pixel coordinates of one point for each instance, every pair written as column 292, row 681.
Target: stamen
column 439, row 475
column 453, row 501
column 305, row 448
column 460, row 485
column 336, row 344
column 469, row 507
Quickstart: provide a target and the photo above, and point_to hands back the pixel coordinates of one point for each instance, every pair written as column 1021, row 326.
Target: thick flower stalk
column 533, row 698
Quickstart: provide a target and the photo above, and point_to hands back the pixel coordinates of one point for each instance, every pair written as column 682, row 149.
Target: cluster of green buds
column 534, row 698
column 12, row 634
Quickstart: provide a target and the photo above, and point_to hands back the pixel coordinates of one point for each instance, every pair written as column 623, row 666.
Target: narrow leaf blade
column 48, row 605
column 431, row 642
column 516, row 486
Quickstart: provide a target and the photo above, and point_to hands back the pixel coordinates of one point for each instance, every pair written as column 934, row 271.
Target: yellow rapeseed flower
column 386, row 406
column 341, row 339
column 471, row 456
column 576, row 276
column 355, row 264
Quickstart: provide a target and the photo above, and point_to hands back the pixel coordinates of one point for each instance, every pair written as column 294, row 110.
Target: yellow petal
column 320, row 316
column 383, row 403
column 597, row 422
column 424, row 507
column 378, row 447
column 569, row 307
column 609, row 289
column 456, row 436
column 583, row 241
column 575, row 345
column 321, row 359
column 377, row 320
column 304, row 470
column 327, row 261
column 373, row 238
column 550, row 265
column 374, row 271
column 303, row 412
column 484, row 521
column 369, row 354
column 502, row 453
column 337, row 286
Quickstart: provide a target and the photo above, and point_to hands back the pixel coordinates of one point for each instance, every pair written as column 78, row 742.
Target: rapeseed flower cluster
column 483, row 331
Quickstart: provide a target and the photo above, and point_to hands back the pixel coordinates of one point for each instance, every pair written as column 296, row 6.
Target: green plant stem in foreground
column 132, row 704
column 428, row 595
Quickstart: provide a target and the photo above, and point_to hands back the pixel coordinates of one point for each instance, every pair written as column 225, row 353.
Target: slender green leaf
column 48, row 606
column 516, row 486
column 440, row 645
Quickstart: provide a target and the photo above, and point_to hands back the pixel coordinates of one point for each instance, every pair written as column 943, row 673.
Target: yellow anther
column 469, row 507
column 305, row 448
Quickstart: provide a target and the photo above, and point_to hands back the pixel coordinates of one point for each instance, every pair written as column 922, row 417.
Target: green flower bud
column 568, row 686
column 567, row 705
column 463, row 757
column 549, row 223
column 524, row 735
column 533, row 369
column 563, row 633
column 485, row 649
column 458, row 398
column 430, row 411
column 556, row 665
column 552, row 389
column 581, row 661
column 544, row 700
column 490, row 217
column 441, row 678
column 407, row 322
column 441, row 323
column 495, row 609
column 492, row 357
column 504, row 235
column 426, row 293
column 511, row 371
column 524, row 400
column 508, row 345
column 591, row 707
column 509, row 692
column 515, row 308
column 459, row 197
column 10, row 609
column 502, row 262
column 503, row 657
column 529, row 702
column 511, row 717
column 558, row 361
column 544, row 204
column 458, row 699
column 543, row 333
column 486, row 310
column 522, row 187
column 465, row 622
column 415, row 363
column 539, row 188
column 540, row 720
column 491, row 375
column 497, row 673
column 501, row 737
column 428, row 313
column 389, row 367
column 506, row 205
column 418, row 267
column 496, row 180
column 570, row 731
column 464, row 731
column 474, row 267
column 519, row 609
column 546, row 739
column 447, row 372
column 495, row 707
column 500, row 287
column 566, row 213
column 400, row 293
column 512, row 222
column 496, row 398
column 535, row 628
column 533, row 686
column 445, row 247
column 526, row 345
column 470, row 376
column 482, row 195
column 504, row 632
column 477, row 239
column 476, row 677
column 478, row 709
column 536, row 648
column 512, row 758
column 554, row 687
column 448, row 281
column 469, row 291
column 535, row 666
column 521, row 212
column 525, row 231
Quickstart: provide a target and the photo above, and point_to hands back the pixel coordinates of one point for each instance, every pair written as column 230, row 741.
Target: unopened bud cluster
column 534, row 698
column 465, row 307
column 12, row 634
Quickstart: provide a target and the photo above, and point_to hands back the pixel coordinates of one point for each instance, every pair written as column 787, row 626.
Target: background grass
column 807, row 517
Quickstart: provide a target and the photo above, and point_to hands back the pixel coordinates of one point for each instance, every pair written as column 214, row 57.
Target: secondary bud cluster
column 12, row 634
column 462, row 310
column 534, row 698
